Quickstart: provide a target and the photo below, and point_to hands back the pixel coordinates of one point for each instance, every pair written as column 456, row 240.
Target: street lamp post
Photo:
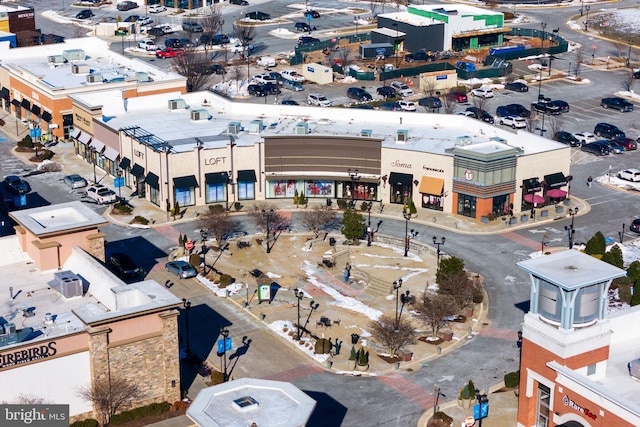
column 225, row 334
column 313, row 306
column 369, row 224
column 621, row 233
column 569, row 228
column 187, row 305
column 407, row 218
column 93, row 160
column 438, row 244
column 396, row 287
column 204, row 235
column 355, row 176
column 587, row 8
column 483, row 406
column 268, row 215
column 404, row 299
column 437, row 394
column 355, row 21
column 299, row 296
column 119, row 175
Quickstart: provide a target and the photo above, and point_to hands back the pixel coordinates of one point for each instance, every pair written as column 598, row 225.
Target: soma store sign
column 28, row 355
column 573, row 405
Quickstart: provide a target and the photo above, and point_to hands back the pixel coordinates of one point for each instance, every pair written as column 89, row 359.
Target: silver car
column 182, row 269
column 75, row 181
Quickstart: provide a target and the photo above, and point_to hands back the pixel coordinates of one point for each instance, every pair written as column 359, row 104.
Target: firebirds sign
column 27, row 355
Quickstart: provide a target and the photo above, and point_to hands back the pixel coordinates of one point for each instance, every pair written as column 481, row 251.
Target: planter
column 544, row 213
column 464, row 403
column 406, row 357
column 513, row 220
column 468, row 312
column 447, row 335
column 524, row 218
column 559, row 209
column 484, row 219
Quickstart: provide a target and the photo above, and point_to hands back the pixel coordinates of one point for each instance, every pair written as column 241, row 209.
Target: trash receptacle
column 332, row 241
column 329, row 202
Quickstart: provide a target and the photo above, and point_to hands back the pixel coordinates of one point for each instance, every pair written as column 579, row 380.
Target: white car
column 401, row 88
column 407, row 105
column 465, row 113
column 267, row 61
column 265, row 78
column 157, row 8
column 144, row 20
column 148, row 45
column 585, row 137
column 318, row 99
column 632, row 175
column 482, row 92
column 514, row 121
column 101, row 194
column 292, row 75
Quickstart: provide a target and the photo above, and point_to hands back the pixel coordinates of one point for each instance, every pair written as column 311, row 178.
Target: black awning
column 531, row 185
column 125, row 163
column 400, row 178
column 137, row 170
column 25, row 103
column 152, row 179
column 15, row 102
column 46, row 116
column 216, row 178
column 247, row 176
column 185, row 182
column 4, row 93
column 555, row 180
column 35, row 109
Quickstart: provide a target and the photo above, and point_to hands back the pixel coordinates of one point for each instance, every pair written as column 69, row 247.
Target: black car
column 635, row 225
column 307, row 39
column 311, row 13
column 608, row 131
column 16, row 185
column 271, row 88
column 595, row 148
column 431, row 102
column 479, row 114
column 289, row 102
column 220, row 39
column 563, row 105
column 566, row 138
column 174, row 43
column 513, row 110
column 517, row 87
column 257, row 90
column 84, row 14
column 239, row 2
column 358, row 94
column 390, row 106
column 302, row 26
column 636, row 75
column 618, row 103
column 545, row 107
column 123, row 266
column 156, row 32
column 421, row 56
column 258, row 16
column 207, row 69
column 386, row 91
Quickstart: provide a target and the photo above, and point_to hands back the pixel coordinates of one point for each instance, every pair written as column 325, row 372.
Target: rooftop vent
column 498, row 139
column 142, row 76
column 246, row 403
column 177, row 104
column 301, row 128
column 402, row 136
column 95, row 78
column 67, row 283
column 463, row 140
column 8, row 334
column 56, row 59
column 73, row 55
column 80, row 68
column 234, row 128
column 199, row 114
column 255, row 127
column 366, row 132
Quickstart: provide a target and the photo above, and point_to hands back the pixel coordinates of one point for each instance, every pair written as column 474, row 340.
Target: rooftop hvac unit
column 80, row 68
column 255, row 126
column 366, row 132
column 142, row 76
column 95, row 78
column 177, row 104
column 73, row 55
column 234, row 128
column 498, row 139
column 301, row 128
column 402, row 136
column 8, row 334
column 9, row 328
column 463, row 140
column 200, row 114
column 56, row 59
column 67, row 283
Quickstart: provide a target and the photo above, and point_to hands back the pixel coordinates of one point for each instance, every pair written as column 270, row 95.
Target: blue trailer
column 505, row 49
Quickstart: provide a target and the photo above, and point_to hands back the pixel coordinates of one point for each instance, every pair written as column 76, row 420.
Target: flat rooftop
column 58, row 218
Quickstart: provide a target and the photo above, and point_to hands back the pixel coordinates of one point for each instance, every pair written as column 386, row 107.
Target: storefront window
column 318, row 188
column 246, row 191
column 432, row 202
column 154, row 195
column 67, row 125
column 281, row 188
column 170, row 3
column 361, row 190
column 216, row 193
column 501, row 205
column 544, row 401
column 466, row 205
column 185, row 196
column 183, row 4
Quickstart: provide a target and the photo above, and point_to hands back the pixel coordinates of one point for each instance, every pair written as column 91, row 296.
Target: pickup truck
column 169, row 52
column 101, row 194
column 267, row 61
column 545, row 108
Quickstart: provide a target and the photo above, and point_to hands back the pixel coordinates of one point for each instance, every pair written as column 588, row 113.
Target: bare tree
column 532, row 122
column 627, row 81
column 108, row 396
column 318, row 218
column 556, row 123
column 373, row 6
column 245, row 33
column 211, row 24
column 459, row 287
column 433, row 310
column 218, row 222
column 237, row 72
column 196, row 67
column 391, row 335
column 260, row 213
column 31, row 399
column 481, row 103
column 448, row 104
column 579, row 59
column 344, row 55
column 428, row 86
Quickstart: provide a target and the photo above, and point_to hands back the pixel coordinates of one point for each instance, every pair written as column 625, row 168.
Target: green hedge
column 89, row 422
column 512, row 379
column 139, row 413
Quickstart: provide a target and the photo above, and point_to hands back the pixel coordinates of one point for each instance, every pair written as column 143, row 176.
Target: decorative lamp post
column 187, row 305
column 355, row 176
column 204, row 235
column 481, row 409
column 407, row 218
column 569, row 228
column 586, row 20
column 396, row 287
column 438, row 244
column 369, row 205
column 225, row 334
column 313, row 306
column 119, row 175
column 405, row 298
column 299, row 295
column 437, row 394
column 268, row 215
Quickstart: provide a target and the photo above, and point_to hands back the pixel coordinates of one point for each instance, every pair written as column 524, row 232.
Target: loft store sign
column 211, row 161
column 28, row 355
column 573, row 405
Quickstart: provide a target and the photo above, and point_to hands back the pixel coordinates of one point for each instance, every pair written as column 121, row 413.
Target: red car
column 628, row 143
column 169, row 52
column 459, row 97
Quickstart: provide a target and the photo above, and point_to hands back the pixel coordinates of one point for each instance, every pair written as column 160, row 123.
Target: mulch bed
column 431, row 341
column 389, row 359
column 154, row 418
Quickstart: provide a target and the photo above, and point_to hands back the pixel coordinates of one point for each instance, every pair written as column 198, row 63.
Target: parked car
column 157, row 8
column 169, row 52
column 595, row 148
column 585, row 137
column 147, row 44
column 566, row 138
column 514, row 121
column 430, row 102
column 239, row 2
column 186, row 42
column 289, row 102
column 628, row 143
column 155, row 32
column 401, row 88
column 608, row 131
column 192, row 27
column 264, row 78
column 420, row 56
column 132, row 18
column 407, row 105
column 266, row 61
column 302, row 26
column 75, row 181
column 636, row 74
column 182, row 269
column 256, row 90
column 276, row 75
column 258, row 16
column 479, row 114
column 318, row 99
column 207, row 69
column 127, row 5
column 618, row 103
column 390, row 106
column 291, row 85
column 631, row 174
column 272, row 88
column 386, row 91
column 292, row 75
column 482, row 92
column 545, row 107
column 563, row 105
column 513, row 110
column 311, row 13
column 613, row 147
column 101, row 194
column 123, row 266
column 173, row 42
column 84, row 14
column 16, row 185
column 635, row 225
column 307, row 40
column 358, row 94
column 459, row 97
column 517, row 87
column 220, row 39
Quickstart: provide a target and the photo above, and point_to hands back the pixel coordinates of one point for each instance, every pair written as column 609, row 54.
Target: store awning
column 75, row 133
column 531, row 185
column 15, row 103
column 185, row 181
column 247, row 176
column 4, row 93
column 556, row 194
column 25, row 103
column 46, row 116
column 85, row 138
column 111, row 154
column 533, row 198
column 430, row 185
column 137, row 170
column 400, row 178
column 555, row 180
column 216, row 178
column 152, row 179
column 97, row 145
column 125, row 163
column 35, row 109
